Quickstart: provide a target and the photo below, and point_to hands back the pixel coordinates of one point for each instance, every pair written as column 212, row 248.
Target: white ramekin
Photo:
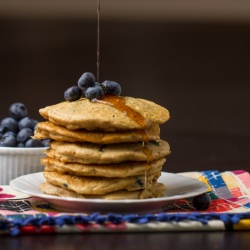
column 15, row 162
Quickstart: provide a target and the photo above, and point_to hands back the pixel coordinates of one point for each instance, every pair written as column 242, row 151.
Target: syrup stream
column 98, row 39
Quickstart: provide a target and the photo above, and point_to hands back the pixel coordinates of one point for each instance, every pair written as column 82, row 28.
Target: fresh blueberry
column 202, row 202
column 46, row 142
column 31, row 143
column 20, row 145
column 10, row 133
column 35, row 126
column 24, row 134
column 112, row 88
column 18, row 110
column 18, row 129
column 86, row 80
column 27, row 122
column 94, row 92
column 9, row 124
column 8, row 141
column 72, row 94
column 1, row 129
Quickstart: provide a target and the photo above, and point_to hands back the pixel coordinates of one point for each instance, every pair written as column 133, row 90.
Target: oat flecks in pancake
column 108, row 148
column 121, row 170
column 156, row 190
column 88, row 153
column 105, row 116
column 98, row 185
column 49, row 130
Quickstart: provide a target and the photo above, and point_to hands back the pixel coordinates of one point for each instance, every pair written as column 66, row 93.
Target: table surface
column 175, row 240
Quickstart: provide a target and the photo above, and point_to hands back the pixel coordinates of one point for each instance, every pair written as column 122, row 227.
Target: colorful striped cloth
column 229, row 210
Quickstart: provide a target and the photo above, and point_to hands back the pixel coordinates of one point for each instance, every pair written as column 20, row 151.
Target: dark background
column 199, row 70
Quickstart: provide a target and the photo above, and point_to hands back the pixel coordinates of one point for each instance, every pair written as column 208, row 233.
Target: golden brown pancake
column 112, row 113
column 106, row 149
column 88, row 153
column 156, row 190
column 119, row 170
column 49, row 130
column 99, row 185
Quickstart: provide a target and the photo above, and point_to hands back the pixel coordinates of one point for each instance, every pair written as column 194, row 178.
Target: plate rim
column 203, row 189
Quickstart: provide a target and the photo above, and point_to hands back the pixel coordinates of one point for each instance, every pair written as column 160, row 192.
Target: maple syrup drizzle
column 149, row 155
column 120, row 104
column 144, row 135
column 98, row 39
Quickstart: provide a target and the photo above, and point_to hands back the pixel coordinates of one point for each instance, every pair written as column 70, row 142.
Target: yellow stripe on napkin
column 243, row 224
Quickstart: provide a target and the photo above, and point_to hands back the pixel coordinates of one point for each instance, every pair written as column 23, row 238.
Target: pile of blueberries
column 88, row 86
column 17, row 129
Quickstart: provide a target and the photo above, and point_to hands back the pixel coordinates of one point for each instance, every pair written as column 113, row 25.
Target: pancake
column 49, row 130
column 115, row 170
column 88, row 153
column 157, row 190
column 112, row 113
column 108, row 148
column 99, row 185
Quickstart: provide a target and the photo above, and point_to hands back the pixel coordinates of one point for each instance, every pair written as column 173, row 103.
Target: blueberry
column 20, row 145
column 18, row 110
column 31, row 143
column 46, row 142
column 1, row 129
column 94, row 92
column 112, row 88
column 86, row 80
column 27, row 122
column 24, row 134
column 72, row 94
column 10, row 133
column 18, row 129
column 202, row 202
column 9, row 124
column 8, row 141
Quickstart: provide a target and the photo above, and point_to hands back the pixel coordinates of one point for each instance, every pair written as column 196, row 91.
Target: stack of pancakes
column 107, row 149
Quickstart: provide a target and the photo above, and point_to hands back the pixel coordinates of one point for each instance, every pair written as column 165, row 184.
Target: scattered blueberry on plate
column 88, row 86
column 17, row 129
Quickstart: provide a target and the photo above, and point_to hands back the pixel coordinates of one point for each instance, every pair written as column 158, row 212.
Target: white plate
column 178, row 187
